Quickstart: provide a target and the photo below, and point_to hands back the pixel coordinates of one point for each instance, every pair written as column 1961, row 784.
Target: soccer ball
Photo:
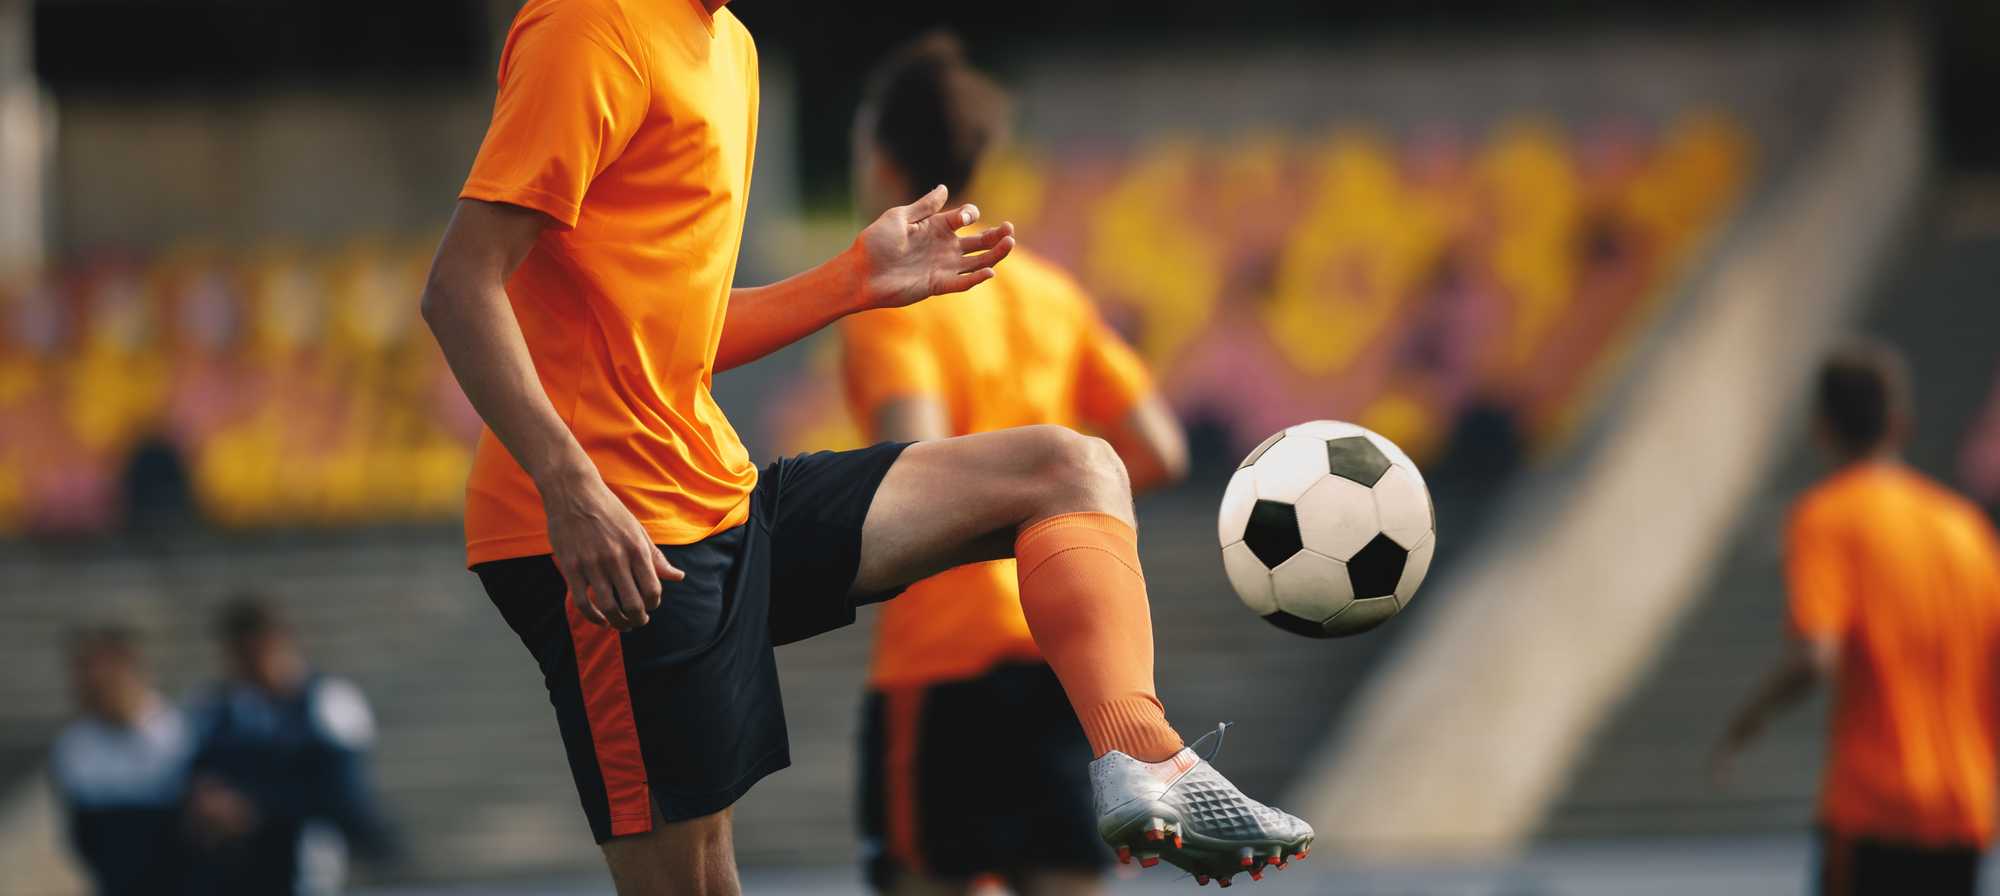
column 1327, row 529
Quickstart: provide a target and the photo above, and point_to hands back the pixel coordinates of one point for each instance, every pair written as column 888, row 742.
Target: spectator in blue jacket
column 279, row 792
column 121, row 769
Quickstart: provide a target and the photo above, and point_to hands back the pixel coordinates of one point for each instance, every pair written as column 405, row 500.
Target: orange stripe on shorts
column 607, row 704
column 902, row 715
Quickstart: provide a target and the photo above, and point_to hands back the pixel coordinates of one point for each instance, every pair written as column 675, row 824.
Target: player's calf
column 696, row 857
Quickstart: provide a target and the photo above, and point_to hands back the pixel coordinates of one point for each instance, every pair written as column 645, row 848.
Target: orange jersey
column 1026, row 347
column 1907, row 576
column 631, row 125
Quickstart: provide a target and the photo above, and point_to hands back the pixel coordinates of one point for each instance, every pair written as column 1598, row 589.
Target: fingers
column 606, row 592
column 624, row 595
column 963, row 282
column 664, row 570
column 646, row 575
column 928, row 204
column 579, row 594
column 627, row 608
column 951, row 222
column 986, row 239
column 984, row 261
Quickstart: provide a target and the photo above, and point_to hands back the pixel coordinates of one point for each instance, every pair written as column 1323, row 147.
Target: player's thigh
column 955, row 501
column 696, row 857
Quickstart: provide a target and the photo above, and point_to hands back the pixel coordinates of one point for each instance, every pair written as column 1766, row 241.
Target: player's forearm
column 763, row 319
column 1786, row 684
column 912, row 419
column 482, row 343
column 1152, row 444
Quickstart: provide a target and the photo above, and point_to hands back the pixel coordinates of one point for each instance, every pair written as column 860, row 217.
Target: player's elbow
column 438, row 300
column 1154, row 446
column 1172, row 455
column 1822, row 658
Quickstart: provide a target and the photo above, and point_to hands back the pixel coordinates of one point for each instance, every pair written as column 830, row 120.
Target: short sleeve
column 1111, row 380
column 572, row 94
column 1817, row 574
column 342, row 715
column 884, row 357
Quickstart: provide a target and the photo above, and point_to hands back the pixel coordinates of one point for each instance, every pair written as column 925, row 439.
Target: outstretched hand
column 913, row 252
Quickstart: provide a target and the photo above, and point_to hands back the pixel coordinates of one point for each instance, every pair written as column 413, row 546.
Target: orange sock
column 1085, row 600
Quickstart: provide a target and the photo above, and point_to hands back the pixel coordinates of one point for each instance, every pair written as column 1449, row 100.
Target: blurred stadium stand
column 1409, row 286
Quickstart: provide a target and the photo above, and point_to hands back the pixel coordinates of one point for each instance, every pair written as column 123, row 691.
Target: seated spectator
column 279, row 791
column 121, row 768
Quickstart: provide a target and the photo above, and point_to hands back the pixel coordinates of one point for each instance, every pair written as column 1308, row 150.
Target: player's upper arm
column 1818, row 575
column 893, row 378
column 1117, row 399
column 1111, row 380
column 573, row 90
column 482, row 245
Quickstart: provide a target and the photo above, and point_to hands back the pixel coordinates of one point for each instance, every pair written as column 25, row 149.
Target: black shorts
column 989, row 775
column 1863, row 866
column 684, row 714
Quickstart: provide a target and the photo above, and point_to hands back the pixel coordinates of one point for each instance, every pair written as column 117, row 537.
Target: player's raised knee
column 1082, row 470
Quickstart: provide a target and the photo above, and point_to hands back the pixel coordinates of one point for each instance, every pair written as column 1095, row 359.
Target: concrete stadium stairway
column 468, row 758
column 464, row 756
column 1645, row 774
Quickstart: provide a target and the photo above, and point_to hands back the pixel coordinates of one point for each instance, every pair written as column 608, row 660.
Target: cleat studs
column 1272, row 859
column 1148, row 860
column 1246, row 857
column 1224, row 882
column 1201, row 879
column 1124, row 855
column 1177, row 841
column 1156, row 834
column 1256, row 874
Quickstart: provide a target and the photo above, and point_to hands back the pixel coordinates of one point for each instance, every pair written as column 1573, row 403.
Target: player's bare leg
column 696, row 857
column 1060, row 502
column 955, row 501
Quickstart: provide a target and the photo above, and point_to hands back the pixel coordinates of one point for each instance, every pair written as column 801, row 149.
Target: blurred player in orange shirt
column 1895, row 597
column 956, row 677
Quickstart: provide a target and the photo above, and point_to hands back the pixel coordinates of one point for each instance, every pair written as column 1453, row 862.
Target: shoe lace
column 1221, row 730
column 1220, row 733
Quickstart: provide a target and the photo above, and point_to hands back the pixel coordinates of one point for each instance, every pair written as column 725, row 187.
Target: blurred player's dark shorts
column 989, row 775
column 683, row 714
column 1862, row 866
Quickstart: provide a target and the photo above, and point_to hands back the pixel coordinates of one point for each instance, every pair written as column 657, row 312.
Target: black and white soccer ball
column 1327, row 529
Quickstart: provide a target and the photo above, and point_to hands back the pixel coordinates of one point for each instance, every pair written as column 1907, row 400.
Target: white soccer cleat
column 1184, row 811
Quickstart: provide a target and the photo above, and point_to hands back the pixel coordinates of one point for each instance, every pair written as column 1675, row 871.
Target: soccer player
column 121, row 769
column 956, row 677
column 1895, row 598
column 582, row 296
column 279, row 790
